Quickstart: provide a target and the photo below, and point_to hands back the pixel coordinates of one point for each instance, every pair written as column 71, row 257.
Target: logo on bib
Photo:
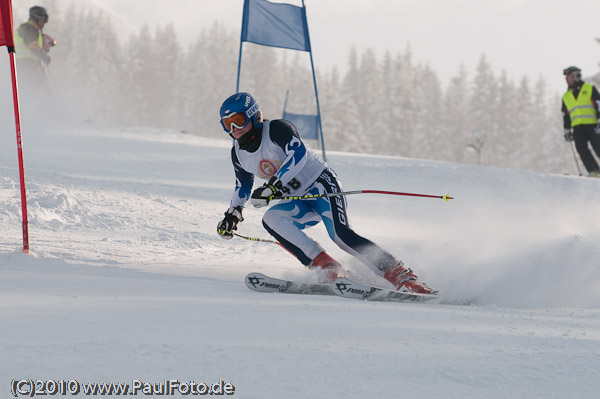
column 266, row 169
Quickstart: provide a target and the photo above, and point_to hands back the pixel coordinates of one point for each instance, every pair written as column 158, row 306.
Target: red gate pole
column 13, row 71
column 7, row 39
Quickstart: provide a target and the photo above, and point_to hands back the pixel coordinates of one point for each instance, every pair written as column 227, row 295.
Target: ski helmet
column 575, row 71
column 38, row 13
column 238, row 110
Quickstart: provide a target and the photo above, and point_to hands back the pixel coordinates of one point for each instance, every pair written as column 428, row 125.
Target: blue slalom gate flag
column 307, row 125
column 275, row 25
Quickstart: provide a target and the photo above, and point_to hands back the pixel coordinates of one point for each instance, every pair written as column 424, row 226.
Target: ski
column 350, row 289
column 261, row 283
column 341, row 287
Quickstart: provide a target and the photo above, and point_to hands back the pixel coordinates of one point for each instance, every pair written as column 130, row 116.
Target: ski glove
column 263, row 195
column 226, row 226
column 597, row 129
column 568, row 135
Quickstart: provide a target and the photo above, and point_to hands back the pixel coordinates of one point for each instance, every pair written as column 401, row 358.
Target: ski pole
column 56, row 93
column 256, row 239
column 575, row 157
column 262, row 240
column 309, row 196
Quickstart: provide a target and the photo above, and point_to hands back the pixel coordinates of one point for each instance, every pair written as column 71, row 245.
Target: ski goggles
column 237, row 119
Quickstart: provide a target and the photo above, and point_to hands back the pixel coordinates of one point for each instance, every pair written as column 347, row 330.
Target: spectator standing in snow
column 31, row 52
column 581, row 111
column 274, row 151
column 32, row 45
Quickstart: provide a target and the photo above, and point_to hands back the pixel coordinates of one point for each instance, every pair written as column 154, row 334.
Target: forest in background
column 389, row 105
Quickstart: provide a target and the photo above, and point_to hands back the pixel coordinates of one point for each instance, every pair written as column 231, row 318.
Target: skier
column 581, row 110
column 31, row 52
column 31, row 45
column 274, row 151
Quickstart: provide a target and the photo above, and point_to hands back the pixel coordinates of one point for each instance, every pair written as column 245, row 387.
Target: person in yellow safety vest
column 581, row 112
column 31, row 51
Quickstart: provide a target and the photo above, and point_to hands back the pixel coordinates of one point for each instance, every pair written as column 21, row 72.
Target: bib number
column 293, row 185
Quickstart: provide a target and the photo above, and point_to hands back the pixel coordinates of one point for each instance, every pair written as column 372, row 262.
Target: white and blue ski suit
column 282, row 153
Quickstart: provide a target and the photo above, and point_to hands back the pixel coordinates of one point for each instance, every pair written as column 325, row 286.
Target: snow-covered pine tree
column 427, row 139
column 458, row 123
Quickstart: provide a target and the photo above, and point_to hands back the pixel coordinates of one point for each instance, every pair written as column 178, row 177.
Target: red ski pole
column 309, row 196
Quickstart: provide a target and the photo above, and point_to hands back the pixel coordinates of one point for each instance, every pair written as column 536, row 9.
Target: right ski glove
column 226, row 226
column 264, row 194
column 568, row 135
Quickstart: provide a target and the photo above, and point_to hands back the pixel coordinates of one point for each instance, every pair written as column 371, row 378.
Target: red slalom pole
column 7, row 39
column 13, row 71
column 309, row 196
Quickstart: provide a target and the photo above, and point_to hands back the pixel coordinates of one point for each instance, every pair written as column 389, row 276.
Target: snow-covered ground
column 127, row 279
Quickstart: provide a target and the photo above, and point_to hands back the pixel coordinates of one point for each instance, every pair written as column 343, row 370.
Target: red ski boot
column 328, row 268
column 405, row 280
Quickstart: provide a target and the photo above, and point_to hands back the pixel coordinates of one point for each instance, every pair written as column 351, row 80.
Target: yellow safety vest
column 22, row 52
column 581, row 110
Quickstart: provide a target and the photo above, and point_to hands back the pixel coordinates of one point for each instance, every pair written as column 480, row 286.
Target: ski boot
column 405, row 280
column 327, row 268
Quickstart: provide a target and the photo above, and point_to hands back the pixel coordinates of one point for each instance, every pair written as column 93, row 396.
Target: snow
column 127, row 279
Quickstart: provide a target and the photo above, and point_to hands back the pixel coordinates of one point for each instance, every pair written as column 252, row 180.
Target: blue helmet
column 239, row 109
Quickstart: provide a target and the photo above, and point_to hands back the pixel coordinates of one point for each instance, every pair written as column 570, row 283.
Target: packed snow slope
column 127, row 279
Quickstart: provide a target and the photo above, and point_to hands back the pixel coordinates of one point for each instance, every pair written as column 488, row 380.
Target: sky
column 530, row 38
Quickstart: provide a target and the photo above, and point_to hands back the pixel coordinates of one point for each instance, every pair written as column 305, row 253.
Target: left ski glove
column 226, row 226
column 568, row 135
column 597, row 129
column 264, row 194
